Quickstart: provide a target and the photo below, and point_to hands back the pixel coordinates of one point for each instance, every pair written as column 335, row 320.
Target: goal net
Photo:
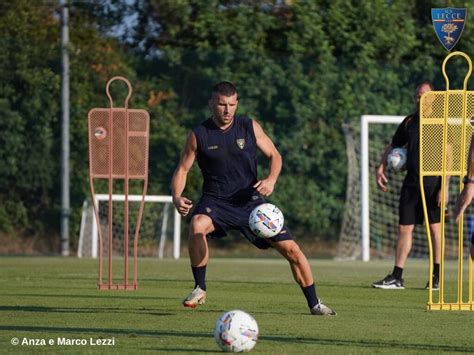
column 160, row 223
column 370, row 222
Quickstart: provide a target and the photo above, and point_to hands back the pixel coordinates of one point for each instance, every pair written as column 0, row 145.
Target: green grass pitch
column 51, row 298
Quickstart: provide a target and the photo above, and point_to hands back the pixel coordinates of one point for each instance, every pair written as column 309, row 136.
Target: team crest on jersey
column 208, row 210
column 241, row 143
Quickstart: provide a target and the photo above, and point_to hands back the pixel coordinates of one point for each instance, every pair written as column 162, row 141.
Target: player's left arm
column 467, row 194
column 264, row 143
column 449, row 167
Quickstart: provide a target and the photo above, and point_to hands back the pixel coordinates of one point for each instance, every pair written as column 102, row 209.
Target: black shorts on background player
column 411, row 206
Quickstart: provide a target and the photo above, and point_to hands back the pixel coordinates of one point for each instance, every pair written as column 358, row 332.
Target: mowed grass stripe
column 57, row 297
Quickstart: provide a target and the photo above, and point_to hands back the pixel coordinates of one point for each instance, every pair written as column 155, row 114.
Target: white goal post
column 365, row 121
column 89, row 221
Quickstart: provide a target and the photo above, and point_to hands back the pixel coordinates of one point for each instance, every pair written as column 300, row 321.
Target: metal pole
column 65, row 203
column 365, row 120
column 164, row 228
column 364, row 169
column 177, row 235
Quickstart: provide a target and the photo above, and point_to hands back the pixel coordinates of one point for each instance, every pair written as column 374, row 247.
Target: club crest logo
column 448, row 24
column 241, row 143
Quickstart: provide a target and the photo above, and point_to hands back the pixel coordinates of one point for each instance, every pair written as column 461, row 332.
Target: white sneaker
column 322, row 310
column 195, row 298
column 389, row 283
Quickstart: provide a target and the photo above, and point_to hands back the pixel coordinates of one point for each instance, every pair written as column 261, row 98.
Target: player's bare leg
column 302, row 274
column 404, row 243
column 298, row 263
column 435, row 231
column 394, row 280
column 201, row 225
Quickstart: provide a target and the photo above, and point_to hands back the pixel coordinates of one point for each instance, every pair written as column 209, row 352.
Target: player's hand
column 464, row 200
column 265, row 187
column 381, row 179
column 446, row 198
column 183, row 205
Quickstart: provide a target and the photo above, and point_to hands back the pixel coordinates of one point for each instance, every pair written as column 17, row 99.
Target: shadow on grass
column 363, row 344
column 106, row 331
column 178, row 350
column 95, row 310
column 127, row 296
column 369, row 343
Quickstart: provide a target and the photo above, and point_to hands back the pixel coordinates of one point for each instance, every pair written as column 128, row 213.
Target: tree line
column 302, row 68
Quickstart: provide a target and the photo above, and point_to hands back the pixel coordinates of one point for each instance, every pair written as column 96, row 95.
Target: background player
column 410, row 207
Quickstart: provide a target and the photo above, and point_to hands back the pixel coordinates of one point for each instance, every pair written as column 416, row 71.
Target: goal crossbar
column 138, row 198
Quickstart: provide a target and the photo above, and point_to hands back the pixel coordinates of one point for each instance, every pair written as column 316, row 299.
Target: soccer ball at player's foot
column 236, row 331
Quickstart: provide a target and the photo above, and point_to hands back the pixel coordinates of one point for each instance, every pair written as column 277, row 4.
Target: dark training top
column 408, row 133
column 228, row 159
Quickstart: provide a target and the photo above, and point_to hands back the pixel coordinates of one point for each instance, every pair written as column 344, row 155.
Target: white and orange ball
column 266, row 220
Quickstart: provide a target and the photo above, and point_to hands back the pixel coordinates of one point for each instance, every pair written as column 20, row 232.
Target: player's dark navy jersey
column 408, row 133
column 228, row 159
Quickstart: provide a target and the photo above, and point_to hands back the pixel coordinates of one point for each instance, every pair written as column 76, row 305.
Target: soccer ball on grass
column 236, row 331
column 266, row 220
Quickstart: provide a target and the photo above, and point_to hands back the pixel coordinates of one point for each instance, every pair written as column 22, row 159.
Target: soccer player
column 467, row 193
column 410, row 207
column 225, row 147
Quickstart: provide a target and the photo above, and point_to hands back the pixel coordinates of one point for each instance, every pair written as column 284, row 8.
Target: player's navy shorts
column 411, row 205
column 228, row 216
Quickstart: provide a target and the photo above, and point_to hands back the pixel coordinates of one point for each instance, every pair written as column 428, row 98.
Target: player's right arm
column 399, row 139
column 380, row 176
column 178, row 182
column 467, row 194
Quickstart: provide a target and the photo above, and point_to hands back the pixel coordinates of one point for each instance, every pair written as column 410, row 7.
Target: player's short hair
column 225, row 88
column 426, row 82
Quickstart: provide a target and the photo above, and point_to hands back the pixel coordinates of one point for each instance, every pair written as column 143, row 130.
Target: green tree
column 303, row 68
column 29, row 109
